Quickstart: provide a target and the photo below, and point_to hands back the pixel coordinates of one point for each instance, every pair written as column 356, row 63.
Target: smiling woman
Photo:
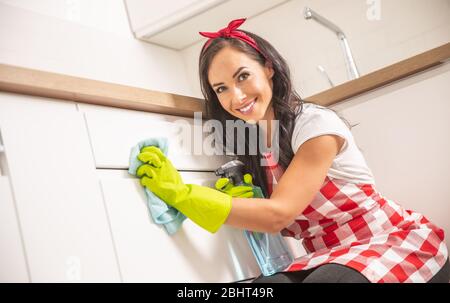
column 321, row 190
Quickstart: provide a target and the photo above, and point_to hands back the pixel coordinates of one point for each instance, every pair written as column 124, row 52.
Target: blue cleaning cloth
column 161, row 213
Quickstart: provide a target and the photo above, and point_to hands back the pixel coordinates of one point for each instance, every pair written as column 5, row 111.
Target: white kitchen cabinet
column 13, row 266
column 147, row 253
column 71, row 212
column 68, row 214
column 175, row 24
column 114, row 131
column 62, row 216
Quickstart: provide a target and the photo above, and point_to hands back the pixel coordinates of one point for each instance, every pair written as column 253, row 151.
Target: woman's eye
column 241, row 76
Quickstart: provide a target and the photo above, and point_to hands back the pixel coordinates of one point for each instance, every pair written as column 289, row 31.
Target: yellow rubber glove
column 241, row 191
column 207, row 207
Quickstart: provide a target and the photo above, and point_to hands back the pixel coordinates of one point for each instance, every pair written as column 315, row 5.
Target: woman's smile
column 248, row 109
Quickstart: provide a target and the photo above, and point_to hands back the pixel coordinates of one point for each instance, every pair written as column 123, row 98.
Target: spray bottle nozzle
column 232, row 170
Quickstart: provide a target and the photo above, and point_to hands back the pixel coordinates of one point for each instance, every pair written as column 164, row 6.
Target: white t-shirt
column 349, row 164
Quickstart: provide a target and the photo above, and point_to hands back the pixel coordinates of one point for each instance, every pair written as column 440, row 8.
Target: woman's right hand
column 241, row 191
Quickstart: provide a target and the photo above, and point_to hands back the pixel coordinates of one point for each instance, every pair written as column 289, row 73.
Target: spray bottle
column 270, row 250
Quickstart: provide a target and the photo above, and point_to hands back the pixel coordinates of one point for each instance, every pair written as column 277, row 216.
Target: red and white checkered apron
column 353, row 225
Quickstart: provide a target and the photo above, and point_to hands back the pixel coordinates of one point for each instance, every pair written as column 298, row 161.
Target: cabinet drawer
column 146, row 253
column 113, row 132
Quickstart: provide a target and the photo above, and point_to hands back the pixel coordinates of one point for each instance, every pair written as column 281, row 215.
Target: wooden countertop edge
column 47, row 84
column 381, row 77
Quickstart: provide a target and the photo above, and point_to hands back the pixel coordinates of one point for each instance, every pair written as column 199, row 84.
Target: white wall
column 92, row 39
column 89, row 39
column 405, row 28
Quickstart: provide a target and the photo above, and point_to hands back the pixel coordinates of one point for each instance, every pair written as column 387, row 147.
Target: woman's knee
column 335, row 273
column 276, row 278
column 284, row 277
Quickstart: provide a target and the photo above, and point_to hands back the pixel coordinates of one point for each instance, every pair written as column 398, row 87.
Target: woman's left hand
column 241, row 191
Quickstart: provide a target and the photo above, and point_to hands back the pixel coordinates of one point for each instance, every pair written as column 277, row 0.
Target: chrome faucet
column 325, row 74
column 352, row 70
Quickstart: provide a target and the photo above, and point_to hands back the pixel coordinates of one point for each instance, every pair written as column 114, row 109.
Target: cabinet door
column 175, row 24
column 59, row 202
column 114, row 131
column 147, row 253
column 12, row 258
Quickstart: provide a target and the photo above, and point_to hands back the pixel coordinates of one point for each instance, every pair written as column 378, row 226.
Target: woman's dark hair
column 286, row 103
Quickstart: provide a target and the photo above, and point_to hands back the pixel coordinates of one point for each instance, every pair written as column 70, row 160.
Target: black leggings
column 336, row 273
